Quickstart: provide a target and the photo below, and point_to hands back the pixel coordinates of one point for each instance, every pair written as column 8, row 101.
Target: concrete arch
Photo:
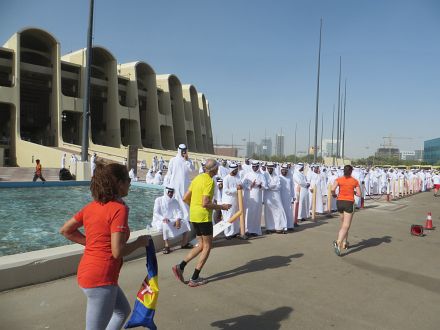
column 38, row 56
column 142, row 97
column 170, row 102
column 104, row 124
column 190, row 96
column 205, row 124
column 209, row 128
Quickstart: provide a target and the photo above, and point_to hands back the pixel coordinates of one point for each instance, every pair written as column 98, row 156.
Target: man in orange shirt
column 345, row 204
column 38, row 169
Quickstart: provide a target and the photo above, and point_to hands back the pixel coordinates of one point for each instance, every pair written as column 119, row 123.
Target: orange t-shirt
column 97, row 266
column 346, row 188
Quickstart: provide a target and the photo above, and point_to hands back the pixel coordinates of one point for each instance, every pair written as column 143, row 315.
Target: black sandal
column 166, row 250
column 187, row 246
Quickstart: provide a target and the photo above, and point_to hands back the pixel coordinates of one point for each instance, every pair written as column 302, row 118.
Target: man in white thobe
column 274, row 215
column 158, row 179
column 301, row 190
column 132, row 175
column 287, row 192
column 63, row 161
column 149, row 178
column 231, row 186
column 179, row 176
column 253, row 183
column 92, row 164
column 168, row 219
column 223, row 169
column 316, row 184
column 73, row 161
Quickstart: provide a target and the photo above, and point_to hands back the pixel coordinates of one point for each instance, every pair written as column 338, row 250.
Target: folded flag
column 145, row 304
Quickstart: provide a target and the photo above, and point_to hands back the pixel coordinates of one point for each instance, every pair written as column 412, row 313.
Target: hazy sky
column 256, row 61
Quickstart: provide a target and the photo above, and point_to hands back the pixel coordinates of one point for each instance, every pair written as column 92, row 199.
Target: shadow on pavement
column 310, row 224
column 255, row 266
column 367, row 243
column 270, row 320
column 422, row 281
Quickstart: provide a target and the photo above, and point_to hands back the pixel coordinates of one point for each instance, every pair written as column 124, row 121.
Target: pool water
column 30, row 218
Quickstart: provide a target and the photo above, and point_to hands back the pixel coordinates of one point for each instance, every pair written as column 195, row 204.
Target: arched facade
column 42, row 96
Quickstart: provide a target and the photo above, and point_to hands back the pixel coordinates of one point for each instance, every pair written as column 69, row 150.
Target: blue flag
column 145, row 304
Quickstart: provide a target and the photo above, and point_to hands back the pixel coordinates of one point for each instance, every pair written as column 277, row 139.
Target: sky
column 257, row 61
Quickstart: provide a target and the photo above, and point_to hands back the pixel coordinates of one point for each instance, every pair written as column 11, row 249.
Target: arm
column 334, row 186
column 207, row 204
column 120, row 248
column 187, row 197
column 358, row 191
column 70, row 231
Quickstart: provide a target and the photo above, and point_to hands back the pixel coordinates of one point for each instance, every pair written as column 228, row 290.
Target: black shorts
column 203, row 228
column 345, row 206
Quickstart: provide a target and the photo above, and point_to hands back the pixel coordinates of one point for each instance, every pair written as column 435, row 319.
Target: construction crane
column 390, row 138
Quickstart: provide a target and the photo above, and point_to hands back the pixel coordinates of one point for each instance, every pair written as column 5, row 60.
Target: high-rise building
column 327, row 146
column 279, row 145
column 431, row 151
column 266, row 147
column 251, row 149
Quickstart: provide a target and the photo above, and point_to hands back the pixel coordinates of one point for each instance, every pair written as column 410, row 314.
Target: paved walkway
column 387, row 280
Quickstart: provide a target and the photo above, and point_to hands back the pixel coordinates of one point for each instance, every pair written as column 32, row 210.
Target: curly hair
column 104, row 185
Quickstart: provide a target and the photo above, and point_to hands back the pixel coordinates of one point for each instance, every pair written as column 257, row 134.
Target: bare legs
column 203, row 248
column 346, row 219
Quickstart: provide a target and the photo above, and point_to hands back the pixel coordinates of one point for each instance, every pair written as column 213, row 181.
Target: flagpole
column 315, row 151
column 86, row 106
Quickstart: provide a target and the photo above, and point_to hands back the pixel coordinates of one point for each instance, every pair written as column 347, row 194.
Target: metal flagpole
column 333, row 129
column 86, row 107
column 339, row 109
column 343, row 125
column 322, row 132
column 315, row 151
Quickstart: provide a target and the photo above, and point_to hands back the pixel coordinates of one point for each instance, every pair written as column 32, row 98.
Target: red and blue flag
column 145, row 304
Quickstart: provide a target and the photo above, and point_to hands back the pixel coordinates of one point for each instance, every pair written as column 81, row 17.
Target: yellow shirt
column 202, row 185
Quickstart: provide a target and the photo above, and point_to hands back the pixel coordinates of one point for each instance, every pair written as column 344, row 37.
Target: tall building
column 388, row 152
column 279, row 145
column 266, row 147
column 407, row 155
column 431, row 151
column 251, row 149
column 327, row 145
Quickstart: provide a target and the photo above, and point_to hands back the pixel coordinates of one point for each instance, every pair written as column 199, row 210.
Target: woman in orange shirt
column 345, row 204
column 105, row 221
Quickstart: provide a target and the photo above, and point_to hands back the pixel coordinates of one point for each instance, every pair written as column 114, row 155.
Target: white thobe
column 253, row 198
column 287, row 192
column 229, row 196
column 168, row 208
column 274, row 215
column 301, row 186
column 158, row 179
column 178, row 177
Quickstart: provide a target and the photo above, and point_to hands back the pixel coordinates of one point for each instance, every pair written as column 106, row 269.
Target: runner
column 345, row 205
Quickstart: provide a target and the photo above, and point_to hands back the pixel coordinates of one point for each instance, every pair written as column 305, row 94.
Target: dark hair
column 347, row 170
column 105, row 181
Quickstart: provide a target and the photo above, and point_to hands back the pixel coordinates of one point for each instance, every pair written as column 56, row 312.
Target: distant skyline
column 256, row 61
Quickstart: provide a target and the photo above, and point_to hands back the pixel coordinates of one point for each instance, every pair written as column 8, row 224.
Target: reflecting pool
column 32, row 217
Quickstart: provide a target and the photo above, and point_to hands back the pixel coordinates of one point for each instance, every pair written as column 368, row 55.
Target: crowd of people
column 276, row 197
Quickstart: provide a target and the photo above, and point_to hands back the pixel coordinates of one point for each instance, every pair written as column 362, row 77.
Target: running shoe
column 178, row 273
column 198, row 282
column 336, row 247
